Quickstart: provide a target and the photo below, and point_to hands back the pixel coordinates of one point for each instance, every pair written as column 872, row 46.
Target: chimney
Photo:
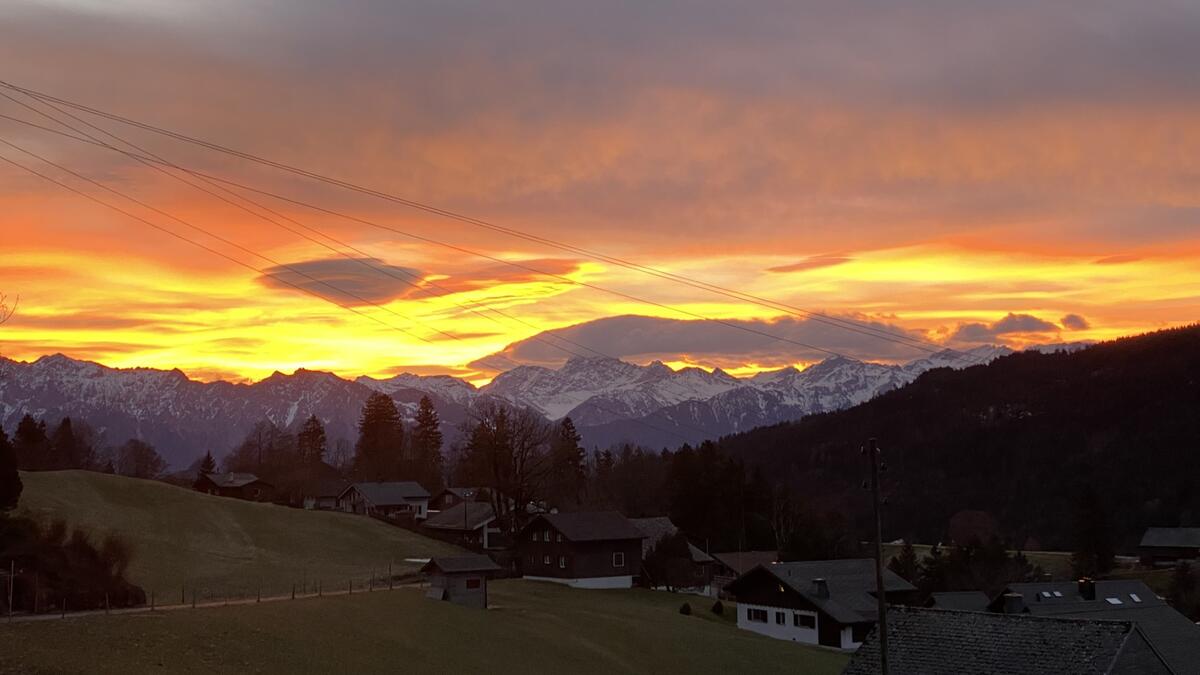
column 1087, row 588
column 1014, row 603
column 820, row 588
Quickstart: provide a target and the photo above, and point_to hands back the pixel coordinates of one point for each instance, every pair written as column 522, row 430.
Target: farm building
column 658, row 528
column 237, row 485
column 452, row 496
column 730, row 566
column 826, row 602
column 322, row 495
column 468, row 523
column 1169, row 545
column 944, row 642
column 389, row 500
column 586, row 549
column 462, row 580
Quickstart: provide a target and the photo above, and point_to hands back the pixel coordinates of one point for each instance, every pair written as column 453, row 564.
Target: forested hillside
column 1020, row 438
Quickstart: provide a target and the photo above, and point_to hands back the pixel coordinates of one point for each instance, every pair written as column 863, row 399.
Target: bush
column 718, row 608
column 685, row 609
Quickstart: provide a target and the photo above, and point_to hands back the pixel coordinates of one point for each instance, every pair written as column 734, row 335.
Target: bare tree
column 6, row 310
column 785, row 515
column 506, row 451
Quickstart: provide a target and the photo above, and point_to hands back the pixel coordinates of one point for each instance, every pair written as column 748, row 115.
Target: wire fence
column 28, row 595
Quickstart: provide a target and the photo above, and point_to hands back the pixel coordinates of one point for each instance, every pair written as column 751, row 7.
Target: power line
column 916, row 343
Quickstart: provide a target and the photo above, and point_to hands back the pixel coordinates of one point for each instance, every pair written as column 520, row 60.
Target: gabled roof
column 1172, row 537
column 233, row 480
column 967, row 601
column 1170, row 633
column 850, row 584
column 656, row 528
column 1056, row 597
column 589, row 525
column 464, row 516
column 461, row 492
column 744, row 561
column 389, row 494
column 944, row 642
column 461, row 564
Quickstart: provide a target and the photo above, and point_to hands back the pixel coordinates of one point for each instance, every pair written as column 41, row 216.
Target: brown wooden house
column 587, row 549
column 237, row 485
column 1169, row 545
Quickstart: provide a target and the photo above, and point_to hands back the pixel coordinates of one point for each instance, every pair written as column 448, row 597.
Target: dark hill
column 1018, row 438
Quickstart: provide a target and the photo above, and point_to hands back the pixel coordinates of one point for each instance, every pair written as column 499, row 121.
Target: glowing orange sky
column 1030, row 162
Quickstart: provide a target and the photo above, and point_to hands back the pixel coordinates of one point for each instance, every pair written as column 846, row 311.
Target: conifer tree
column 208, row 464
column 905, row 564
column 378, row 452
column 567, row 463
column 311, row 441
column 66, row 451
column 1094, row 550
column 31, row 444
column 427, row 446
column 10, row 480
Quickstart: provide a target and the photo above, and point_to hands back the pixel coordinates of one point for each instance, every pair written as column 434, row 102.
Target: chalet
column 658, row 528
column 1169, row 545
column 587, row 549
column 389, row 500
column 963, row 601
column 1170, row 633
column 462, row 580
column 453, row 496
column 472, row 524
column 237, row 485
column 825, row 602
column 730, row 566
column 944, row 642
column 322, row 495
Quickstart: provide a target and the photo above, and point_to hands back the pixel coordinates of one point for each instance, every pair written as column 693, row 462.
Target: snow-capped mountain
column 609, row 400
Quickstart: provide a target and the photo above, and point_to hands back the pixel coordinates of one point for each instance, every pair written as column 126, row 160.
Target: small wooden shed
column 462, row 580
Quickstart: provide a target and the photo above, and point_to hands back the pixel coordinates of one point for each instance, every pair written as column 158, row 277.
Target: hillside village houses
column 1169, row 545
column 236, row 485
column 386, row 499
column 585, row 549
column 469, row 524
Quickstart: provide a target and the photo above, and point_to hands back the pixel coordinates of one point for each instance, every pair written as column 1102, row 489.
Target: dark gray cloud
column 1009, row 325
column 1075, row 322
column 350, row 281
column 713, row 343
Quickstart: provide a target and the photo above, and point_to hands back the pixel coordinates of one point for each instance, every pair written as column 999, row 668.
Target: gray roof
column 233, row 480
column 1170, row 633
column 1056, row 597
column 461, row 564
column 744, row 561
column 463, row 492
column 1172, row 537
column 656, row 528
column 462, row 516
column 851, row 584
column 945, row 642
column 967, row 601
column 589, row 525
column 390, row 494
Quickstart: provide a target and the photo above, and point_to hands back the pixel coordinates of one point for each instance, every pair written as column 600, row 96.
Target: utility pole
column 873, row 457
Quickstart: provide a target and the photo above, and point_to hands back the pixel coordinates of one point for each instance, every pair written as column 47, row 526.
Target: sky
column 957, row 173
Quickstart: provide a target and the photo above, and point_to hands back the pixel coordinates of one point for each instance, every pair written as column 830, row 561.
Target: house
column 462, row 580
column 824, row 602
column 322, row 495
column 1169, row 545
column 656, row 529
column 468, row 523
column 585, row 549
column 946, row 642
column 453, row 496
column 964, row 601
column 730, row 566
column 237, row 485
column 1175, row 637
column 388, row 500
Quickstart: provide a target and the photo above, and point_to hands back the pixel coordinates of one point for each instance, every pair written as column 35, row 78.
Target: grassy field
column 1055, row 563
column 217, row 545
column 531, row 628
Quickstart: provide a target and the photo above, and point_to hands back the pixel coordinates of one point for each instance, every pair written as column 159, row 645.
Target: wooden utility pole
column 881, row 598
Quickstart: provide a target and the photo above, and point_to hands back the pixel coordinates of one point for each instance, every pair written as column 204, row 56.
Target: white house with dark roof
column 825, row 602
column 388, row 499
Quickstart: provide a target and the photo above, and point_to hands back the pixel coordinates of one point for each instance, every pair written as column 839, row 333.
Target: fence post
column 36, row 591
column 106, row 602
column 318, row 589
column 12, row 570
column 193, row 598
column 350, row 586
column 183, row 595
column 391, row 577
column 64, row 607
column 258, row 597
column 293, row 591
column 151, row 601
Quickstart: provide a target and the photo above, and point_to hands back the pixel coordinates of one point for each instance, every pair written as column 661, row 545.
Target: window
column 1135, row 597
column 562, row 562
column 472, row 584
column 756, row 615
column 535, row 536
column 780, row 619
column 618, row 559
column 804, row 621
column 1114, row 601
column 546, row 534
column 1058, row 594
column 545, row 560
column 559, row 538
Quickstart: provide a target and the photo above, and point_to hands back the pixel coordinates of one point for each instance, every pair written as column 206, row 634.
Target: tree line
column 72, row 444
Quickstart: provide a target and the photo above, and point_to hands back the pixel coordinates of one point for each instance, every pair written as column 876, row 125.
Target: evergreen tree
column 10, row 480
column 427, row 446
column 208, row 464
column 905, row 564
column 311, row 442
column 1094, row 550
column 66, row 451
column 932, row 577
column 378, row 452
column 31, row 445
column 568, row 472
